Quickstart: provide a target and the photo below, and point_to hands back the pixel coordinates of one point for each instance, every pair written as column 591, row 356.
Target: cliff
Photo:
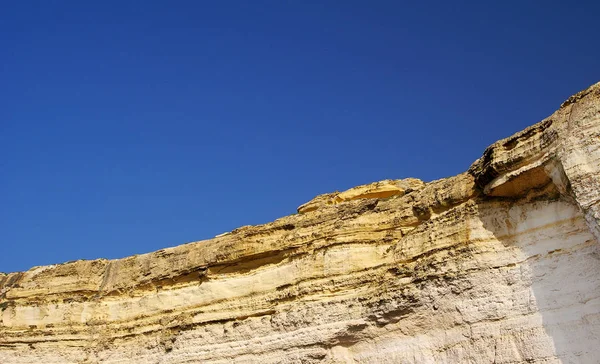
column 500, row 264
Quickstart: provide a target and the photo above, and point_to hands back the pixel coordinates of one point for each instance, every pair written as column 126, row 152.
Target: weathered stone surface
column 382, row 189
column 500, row 264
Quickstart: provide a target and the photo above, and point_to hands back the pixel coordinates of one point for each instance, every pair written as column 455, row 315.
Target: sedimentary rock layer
column 500, row 264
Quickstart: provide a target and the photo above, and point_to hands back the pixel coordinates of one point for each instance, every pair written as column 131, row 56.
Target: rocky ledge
column 500, row 264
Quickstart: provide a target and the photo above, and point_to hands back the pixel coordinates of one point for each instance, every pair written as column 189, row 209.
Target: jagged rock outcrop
column 382, row 189
column 500, row 264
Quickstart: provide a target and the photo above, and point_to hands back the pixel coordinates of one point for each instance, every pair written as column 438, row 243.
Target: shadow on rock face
column 557, row 296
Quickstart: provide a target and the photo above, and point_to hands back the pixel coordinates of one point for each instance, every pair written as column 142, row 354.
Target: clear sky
column 130, row 126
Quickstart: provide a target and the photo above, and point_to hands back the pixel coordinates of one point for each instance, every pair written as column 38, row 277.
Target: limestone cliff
column 500, row 264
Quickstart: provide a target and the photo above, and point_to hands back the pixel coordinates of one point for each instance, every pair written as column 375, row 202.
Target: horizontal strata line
column 472, row 241
column 34, row 341
column 539, row 228
column 192, row 310
column 251, row 345
column 298, row 245
column 294, row 252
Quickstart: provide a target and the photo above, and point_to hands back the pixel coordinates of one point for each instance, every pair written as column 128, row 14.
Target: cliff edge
column 500, row 264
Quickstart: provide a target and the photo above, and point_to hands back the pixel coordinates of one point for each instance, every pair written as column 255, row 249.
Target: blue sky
column 126, row 127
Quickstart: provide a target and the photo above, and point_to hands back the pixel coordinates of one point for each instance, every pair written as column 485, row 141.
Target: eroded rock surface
column 381, row 189
column 500, row 264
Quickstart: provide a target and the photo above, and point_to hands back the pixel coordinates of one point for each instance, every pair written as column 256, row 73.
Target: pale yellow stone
column 496, row 265
column 382, row 189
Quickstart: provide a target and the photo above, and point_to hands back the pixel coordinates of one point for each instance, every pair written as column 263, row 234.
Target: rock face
column 500, row 264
